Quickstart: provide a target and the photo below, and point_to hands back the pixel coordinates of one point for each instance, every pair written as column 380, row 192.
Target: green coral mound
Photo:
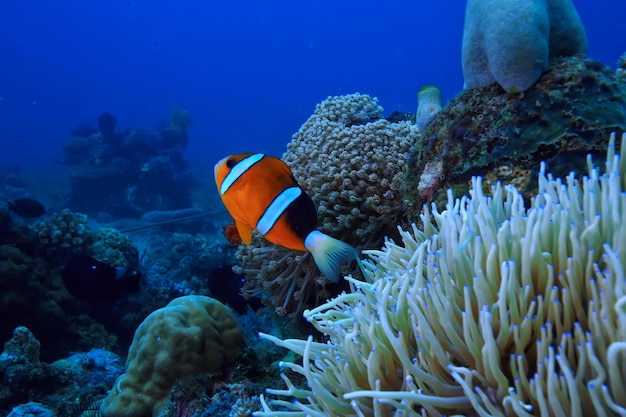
column 568, row 114
column 493, row 309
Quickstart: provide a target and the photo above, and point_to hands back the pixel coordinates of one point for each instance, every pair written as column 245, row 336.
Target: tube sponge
column 511, row 41
column 190, row 335
column 428, row 104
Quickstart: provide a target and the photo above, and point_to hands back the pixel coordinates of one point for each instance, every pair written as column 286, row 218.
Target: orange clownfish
column 260, row 192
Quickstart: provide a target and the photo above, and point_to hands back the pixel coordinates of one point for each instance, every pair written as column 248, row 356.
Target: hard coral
column 64, row 234
column 190, row 335
column 178, row 264
column 351, row 162
column 114, row 248
column 570, row 112
column 23, row 374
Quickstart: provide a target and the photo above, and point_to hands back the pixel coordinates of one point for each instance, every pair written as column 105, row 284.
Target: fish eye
column 230, row 163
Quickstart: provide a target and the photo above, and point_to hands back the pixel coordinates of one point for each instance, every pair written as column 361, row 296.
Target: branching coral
column 351, row 162
column 492, row 309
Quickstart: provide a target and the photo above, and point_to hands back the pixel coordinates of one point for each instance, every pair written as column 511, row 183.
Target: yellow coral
column 192, row 334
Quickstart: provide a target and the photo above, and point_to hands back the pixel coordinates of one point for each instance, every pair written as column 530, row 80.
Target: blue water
column 249, row 72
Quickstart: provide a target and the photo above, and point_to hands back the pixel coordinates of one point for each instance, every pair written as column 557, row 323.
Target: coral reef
column 570, row 112
column 351, row 162
column 62, row 235
column 16, row 232
column 60, row 386
column 126, row 172
column 12, row 184
column 33, row 293
column 179, row 263
column 510, row 42
column 84, row 376
column 190, row 335
column 21, row 370
column 114, row 248
column 532, row 300
column 25, row 299
column 203, row 396
column 75, row 385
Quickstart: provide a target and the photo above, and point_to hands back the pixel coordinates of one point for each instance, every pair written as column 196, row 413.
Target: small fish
column 89, row 279
column 26, row 207
column 260, row 192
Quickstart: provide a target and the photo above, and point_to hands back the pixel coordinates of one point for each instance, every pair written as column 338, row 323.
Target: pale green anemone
column 493, row 309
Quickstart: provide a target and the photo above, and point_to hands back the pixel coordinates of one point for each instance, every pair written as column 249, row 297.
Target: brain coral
column 351, row 161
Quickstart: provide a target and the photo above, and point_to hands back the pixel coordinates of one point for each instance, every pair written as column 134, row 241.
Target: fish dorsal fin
column 245, row 232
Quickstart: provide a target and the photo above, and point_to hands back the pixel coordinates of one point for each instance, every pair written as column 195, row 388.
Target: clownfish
column 261, row 193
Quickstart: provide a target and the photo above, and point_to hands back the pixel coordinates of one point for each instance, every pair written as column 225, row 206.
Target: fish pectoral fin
column 245, row 231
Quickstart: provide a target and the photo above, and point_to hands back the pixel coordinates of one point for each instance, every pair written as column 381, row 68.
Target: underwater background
column 113, row 115
column 249, row 73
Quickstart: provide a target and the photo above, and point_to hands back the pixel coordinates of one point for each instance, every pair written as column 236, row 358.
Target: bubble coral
column 351, row 162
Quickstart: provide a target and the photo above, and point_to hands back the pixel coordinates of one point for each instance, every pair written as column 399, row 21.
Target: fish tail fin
column 329, row 254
